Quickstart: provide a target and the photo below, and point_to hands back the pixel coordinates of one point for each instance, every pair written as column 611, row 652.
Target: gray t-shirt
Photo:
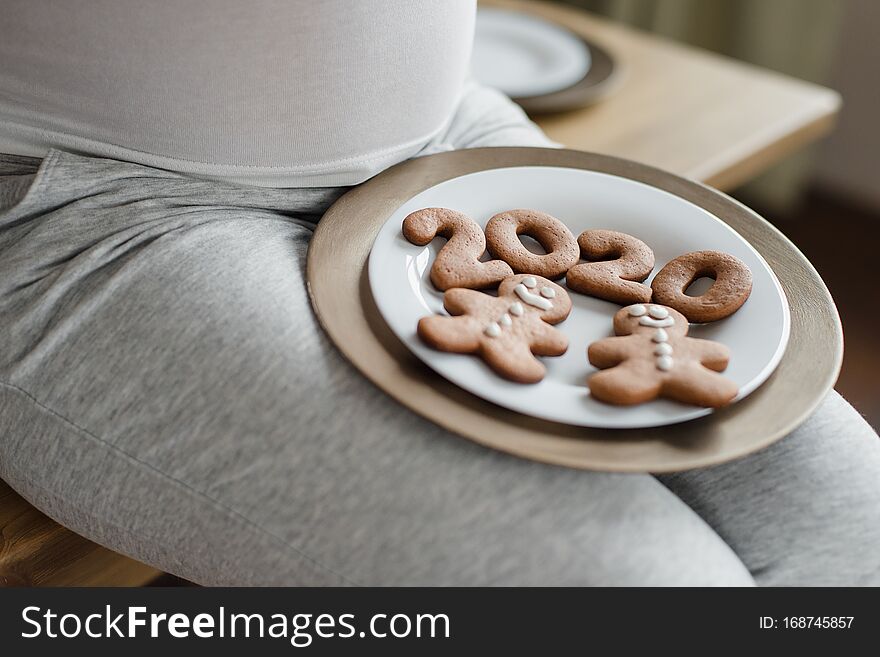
column 283, row 93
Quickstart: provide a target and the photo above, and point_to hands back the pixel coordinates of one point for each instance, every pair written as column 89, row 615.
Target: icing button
column 516, row 309
column 664, row 363
column 660, row 336
column 493, row 330
column 663, row 349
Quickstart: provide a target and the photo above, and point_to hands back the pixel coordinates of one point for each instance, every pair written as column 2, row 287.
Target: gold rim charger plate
column 340, row 294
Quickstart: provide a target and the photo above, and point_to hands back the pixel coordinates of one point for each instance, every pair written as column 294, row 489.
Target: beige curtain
column 796, row 37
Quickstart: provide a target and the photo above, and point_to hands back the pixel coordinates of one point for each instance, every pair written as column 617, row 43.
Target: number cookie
column 458, row 263
column 502, row 233
column 653, row 357
column 732, row 286
column 619, row 279
column 506, row 331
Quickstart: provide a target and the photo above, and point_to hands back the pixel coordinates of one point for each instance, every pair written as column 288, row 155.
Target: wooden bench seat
column 37, row 551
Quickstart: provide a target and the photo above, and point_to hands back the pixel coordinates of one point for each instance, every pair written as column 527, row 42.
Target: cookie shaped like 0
column 458, row 263
column 502, row 238
column 732, row 286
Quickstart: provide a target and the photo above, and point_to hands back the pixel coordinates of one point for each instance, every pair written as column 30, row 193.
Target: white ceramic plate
column 398, row 274
column 523, row 56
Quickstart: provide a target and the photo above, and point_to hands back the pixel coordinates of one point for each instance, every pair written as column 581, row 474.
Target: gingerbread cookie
column 732, row 286
column 653, row 357
column 623, row 262
column 506, row 331
column 458, row 263
column 502, row 237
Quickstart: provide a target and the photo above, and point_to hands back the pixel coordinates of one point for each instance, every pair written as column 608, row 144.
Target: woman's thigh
column 168, row 392
column 805, row 511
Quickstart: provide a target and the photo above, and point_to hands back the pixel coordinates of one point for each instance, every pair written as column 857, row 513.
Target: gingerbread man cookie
column 507, row 331
column 653, row 357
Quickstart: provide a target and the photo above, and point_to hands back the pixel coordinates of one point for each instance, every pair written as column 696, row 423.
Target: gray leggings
column 166, row 391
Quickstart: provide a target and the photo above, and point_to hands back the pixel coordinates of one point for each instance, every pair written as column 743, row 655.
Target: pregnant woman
column 166, row 391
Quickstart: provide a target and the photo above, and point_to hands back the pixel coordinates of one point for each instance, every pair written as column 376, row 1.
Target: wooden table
column 686, row 110
column 677, row 108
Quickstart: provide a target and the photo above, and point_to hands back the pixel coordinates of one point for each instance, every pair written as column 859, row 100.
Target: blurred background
column 826, row 197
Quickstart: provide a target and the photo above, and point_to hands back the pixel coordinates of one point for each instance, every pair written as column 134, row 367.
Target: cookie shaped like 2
column 652, row 357
column 458, row 263
column 618, row 279
column 507, row 331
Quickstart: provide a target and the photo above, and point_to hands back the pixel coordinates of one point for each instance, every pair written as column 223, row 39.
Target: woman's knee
column 803, row 511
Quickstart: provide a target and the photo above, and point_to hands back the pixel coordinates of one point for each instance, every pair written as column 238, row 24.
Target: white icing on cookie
column 658, row 312
column 516, row 309
column 663, row 349
column 530, row 281
column 505, row 320
column 493, row 330
column 637, row 310
column 532, row 299
column 548, row 292
column 656, row 323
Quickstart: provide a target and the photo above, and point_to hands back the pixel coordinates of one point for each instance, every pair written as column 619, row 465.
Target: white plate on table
column 399, row 280
column 524, row 56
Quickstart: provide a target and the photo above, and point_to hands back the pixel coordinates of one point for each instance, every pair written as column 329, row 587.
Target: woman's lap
column 167, row 392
